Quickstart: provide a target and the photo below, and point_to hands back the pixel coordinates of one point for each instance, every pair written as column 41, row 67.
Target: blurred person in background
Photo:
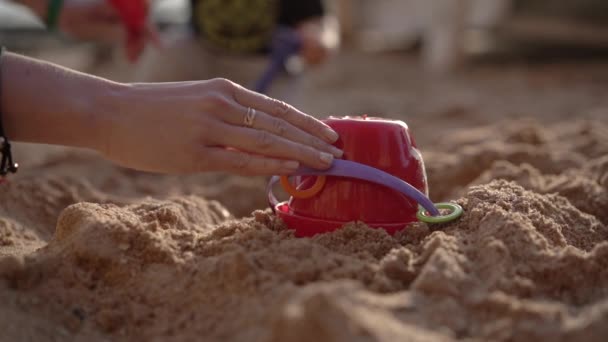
column 225, row 38
column 233, row 39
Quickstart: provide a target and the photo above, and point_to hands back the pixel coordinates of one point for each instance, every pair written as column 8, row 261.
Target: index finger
column 286, row 112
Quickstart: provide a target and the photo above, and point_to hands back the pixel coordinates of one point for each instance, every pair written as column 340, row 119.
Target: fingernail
column 330, row 134
column 326, row 158
column 338, row 153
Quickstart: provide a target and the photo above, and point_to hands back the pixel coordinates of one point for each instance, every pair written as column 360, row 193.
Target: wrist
column 102, row 113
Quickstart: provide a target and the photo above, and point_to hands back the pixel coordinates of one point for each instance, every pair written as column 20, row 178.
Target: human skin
column 178, row 128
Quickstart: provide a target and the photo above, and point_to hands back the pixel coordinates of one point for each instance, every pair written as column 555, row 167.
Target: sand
column 90, row 251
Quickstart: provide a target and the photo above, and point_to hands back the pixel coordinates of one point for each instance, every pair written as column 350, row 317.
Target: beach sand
column 90, row 251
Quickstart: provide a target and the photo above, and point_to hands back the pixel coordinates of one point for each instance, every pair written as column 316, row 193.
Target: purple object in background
column 285, row 43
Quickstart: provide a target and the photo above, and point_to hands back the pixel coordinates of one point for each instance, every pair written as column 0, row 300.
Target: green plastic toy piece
column 455, row 212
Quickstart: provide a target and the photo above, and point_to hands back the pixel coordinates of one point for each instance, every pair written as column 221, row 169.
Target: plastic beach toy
column 381, row 181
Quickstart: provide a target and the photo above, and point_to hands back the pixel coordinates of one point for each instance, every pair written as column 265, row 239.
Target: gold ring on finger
column 249, row 117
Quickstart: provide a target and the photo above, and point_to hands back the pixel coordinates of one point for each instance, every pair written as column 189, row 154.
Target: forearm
column 45, row 103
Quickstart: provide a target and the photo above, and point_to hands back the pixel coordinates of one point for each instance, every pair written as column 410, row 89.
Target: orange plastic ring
column 303, row 194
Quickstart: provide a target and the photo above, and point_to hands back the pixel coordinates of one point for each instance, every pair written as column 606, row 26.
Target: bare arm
column 180, row 127
column 45, row 103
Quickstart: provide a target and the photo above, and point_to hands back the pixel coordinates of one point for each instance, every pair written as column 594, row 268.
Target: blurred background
column 396, row 58
column 439, row 65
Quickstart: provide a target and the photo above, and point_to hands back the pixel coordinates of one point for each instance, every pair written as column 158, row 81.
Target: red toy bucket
column 381, row 144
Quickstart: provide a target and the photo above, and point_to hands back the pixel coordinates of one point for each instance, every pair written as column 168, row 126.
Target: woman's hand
column 188, row 127
column 182, row 127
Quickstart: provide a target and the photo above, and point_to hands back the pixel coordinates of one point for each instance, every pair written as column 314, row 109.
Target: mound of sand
column 95, row 260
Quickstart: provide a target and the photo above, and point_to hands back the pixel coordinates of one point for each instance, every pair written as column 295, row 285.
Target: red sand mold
column 384, row 144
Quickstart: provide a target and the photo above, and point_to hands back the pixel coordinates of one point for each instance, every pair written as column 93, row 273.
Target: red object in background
column 134, row 14
column 384, row 144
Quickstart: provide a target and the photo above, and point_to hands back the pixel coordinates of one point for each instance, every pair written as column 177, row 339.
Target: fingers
column 281, row 110
column 267, row 144
column 279, row 127
column 220, row 159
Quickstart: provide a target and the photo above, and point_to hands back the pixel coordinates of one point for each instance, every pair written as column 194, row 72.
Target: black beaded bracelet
column 6, row 165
